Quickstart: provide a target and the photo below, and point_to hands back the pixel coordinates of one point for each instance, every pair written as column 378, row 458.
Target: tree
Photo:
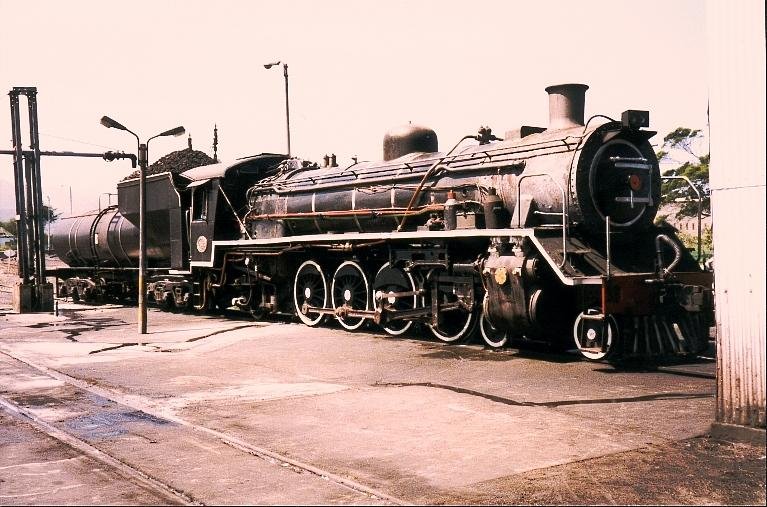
column 680, row 148
column 50, row 215
column 9, row 226
column 690, row 241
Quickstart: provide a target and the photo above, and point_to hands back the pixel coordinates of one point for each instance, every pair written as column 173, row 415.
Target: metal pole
column 49, row 217
column 607, row 241
column 700, row 211
column 18, row 178
column 143, row 159
column 287, row 107
column 37, row 183
column 28, row 219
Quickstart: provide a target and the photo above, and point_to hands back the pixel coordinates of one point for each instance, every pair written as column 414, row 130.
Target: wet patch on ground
column 38, row 400
column 78, row 325
column 478, row 353
column 468, row 355
column 108, row 425
column 547, row 404
column 113, row 347
column 99, row 400
column 221, row 331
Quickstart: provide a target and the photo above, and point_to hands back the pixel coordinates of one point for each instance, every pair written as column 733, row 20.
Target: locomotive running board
column 294, row 241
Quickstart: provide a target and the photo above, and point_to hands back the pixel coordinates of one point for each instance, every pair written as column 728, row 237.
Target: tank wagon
column 546, row 235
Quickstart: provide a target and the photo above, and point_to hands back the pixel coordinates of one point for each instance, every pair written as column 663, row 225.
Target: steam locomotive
column 546, row 235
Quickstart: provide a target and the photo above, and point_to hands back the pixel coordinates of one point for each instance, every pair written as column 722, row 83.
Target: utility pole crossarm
column 107, row 155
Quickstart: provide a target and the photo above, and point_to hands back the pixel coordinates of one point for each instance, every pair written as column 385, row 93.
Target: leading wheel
column 390, row 280
column 350, row 290
column 494, row 337
column 310, row 288
column 594, row 335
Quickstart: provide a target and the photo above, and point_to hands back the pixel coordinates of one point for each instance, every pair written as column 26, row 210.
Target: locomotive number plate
column 202, row 244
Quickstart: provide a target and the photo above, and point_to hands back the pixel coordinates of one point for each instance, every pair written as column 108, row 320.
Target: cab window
column 200, row 204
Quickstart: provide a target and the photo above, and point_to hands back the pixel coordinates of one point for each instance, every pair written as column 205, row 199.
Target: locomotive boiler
column 554, row 172
column 544, row 235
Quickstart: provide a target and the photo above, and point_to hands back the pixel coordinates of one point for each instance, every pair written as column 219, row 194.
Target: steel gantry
column 33, row 292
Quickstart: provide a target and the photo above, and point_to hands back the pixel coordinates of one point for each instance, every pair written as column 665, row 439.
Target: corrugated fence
column 737, row 132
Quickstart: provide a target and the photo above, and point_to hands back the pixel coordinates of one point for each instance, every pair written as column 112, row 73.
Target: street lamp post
column 287, row 107
column 49, row 217
column 143, row 160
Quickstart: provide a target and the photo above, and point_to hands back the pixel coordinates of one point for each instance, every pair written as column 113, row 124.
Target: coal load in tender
column 176, row 162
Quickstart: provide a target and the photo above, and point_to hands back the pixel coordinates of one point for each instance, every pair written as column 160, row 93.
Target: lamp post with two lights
column 143, row 160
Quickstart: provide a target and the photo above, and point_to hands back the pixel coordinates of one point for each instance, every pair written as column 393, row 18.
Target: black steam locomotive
column 545, row 235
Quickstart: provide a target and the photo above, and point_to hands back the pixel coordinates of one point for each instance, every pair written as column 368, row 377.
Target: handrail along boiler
column 545, row 235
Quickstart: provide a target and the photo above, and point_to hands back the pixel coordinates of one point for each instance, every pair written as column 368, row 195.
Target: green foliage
column 706, row 243
column 50, row 214
column 682, row 135
column 10, row 226
column 696, row 170
column 678, row 191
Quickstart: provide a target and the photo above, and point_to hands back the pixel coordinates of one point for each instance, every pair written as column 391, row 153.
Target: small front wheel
column 595, row 335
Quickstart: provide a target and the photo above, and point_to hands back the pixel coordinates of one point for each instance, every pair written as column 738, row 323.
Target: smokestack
column 566, row 102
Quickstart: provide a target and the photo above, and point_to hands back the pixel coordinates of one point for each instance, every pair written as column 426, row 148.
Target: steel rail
column 130, row 472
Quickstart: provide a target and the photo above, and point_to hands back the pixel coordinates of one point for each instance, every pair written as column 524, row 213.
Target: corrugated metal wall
column 736, row 34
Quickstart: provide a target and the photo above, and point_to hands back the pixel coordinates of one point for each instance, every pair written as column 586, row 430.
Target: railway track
column 134, row 471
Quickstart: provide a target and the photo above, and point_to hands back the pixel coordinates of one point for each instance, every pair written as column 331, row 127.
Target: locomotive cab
column 202, row 216
column 217, row 197
column 212, row 215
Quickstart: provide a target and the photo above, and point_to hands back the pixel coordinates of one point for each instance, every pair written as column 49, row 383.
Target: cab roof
column 256, row 165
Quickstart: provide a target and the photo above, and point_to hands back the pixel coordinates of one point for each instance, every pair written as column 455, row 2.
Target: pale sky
column 356, row 69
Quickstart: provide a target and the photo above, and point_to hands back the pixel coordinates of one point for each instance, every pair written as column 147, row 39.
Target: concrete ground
column 226, row 411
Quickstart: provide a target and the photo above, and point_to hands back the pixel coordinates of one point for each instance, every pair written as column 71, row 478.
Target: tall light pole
column 49, row 217
column 143, row 160
column 287, row 107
